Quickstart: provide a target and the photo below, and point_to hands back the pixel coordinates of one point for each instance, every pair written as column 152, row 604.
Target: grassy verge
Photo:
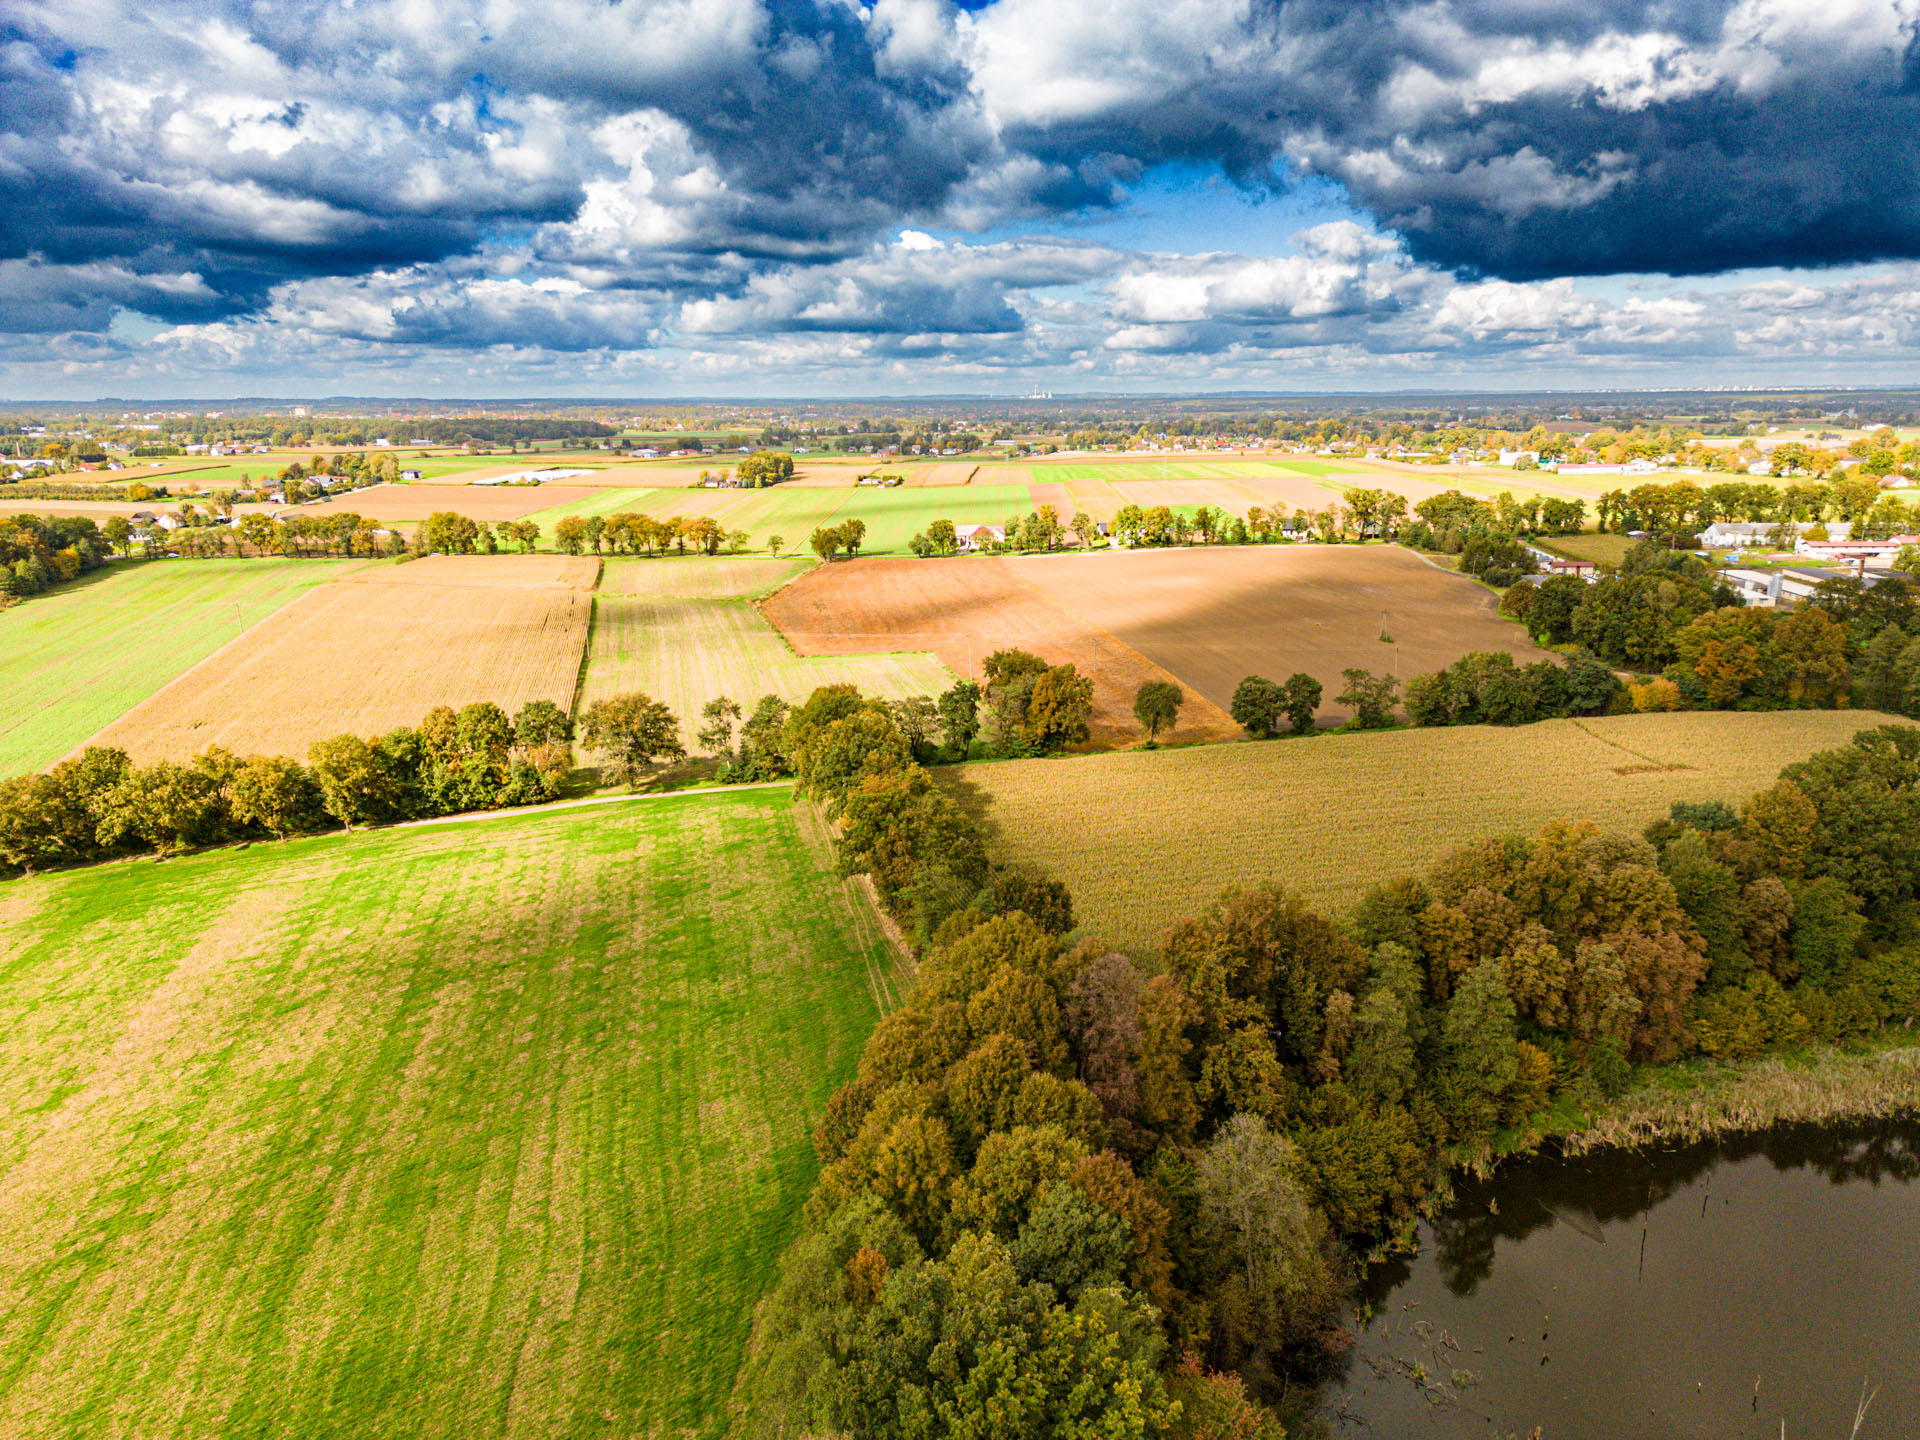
column 479, row 1129
column 1700, row 1098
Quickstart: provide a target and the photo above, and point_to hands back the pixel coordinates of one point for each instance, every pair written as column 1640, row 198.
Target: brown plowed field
column 378, row 650
column 1057, row 496
column 1214, row 616
column 962, row 610
column 1004, row 475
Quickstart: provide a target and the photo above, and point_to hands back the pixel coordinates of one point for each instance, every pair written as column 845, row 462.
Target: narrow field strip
column 494, row 1131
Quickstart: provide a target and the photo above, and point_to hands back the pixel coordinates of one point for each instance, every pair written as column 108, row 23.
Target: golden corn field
column 1145, row 837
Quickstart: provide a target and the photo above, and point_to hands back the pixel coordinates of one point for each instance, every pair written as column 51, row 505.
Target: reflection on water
column 1716, row 1290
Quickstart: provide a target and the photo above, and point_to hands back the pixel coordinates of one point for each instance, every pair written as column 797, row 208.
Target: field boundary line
column 1623, row 749
column 210, row 659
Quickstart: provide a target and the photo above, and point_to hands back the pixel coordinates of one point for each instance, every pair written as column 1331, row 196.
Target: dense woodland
column 1071, row 1191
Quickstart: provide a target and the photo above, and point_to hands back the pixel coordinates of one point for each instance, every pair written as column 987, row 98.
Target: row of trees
column 1684, row 505
column 100, row 804
column 1069, row 1187
column 626, row 533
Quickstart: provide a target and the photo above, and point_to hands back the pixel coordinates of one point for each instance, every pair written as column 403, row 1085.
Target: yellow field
column 1143, row 838
column 375, row 651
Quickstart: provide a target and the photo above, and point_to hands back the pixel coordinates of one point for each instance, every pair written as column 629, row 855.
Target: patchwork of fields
column 1329, row 816
column 74, row 661
column 377, row 651
column 963, row 610
column 473, row 1129
column 1203, row 617
column 684, row 631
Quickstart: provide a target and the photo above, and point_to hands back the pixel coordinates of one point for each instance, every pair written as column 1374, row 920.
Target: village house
column 972, row 538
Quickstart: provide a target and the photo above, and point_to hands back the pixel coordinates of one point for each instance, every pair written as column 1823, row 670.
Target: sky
column 822, row 198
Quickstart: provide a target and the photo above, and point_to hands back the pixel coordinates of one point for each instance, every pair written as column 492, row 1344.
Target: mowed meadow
column 463, row 1129
column 1327, row 816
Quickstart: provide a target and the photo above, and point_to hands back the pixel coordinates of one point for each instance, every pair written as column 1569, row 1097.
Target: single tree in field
column 1084, row 529
column 853, row 534
column 633, row 731
column 1372, row 698
column 774, row 545
column 1302, row 696
column 941, row 534
column 1257, row 706
column 825, row 542
column 1156, row 705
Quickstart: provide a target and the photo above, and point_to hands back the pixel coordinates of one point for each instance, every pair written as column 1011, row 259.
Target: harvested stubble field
column 74, row 660
column 374, row 651
column 1145, row 837
column 701, row 577
column 661, row 627
column 962, row 610
column 1212, row 615
column 488, row 1129
column 1602, row 549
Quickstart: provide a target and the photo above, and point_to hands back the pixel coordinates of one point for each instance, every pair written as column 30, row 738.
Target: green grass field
column 894, row 516
column 601, row 502
column 76, row 659
column 679, row 635
column 1120, row 828
column 464, row 1130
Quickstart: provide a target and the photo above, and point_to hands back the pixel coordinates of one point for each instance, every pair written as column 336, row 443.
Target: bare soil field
column 1057, row 496
column 1005, row 475
column 366, row 654
column 96, row 510
column 964, row 609
column 1212, row 616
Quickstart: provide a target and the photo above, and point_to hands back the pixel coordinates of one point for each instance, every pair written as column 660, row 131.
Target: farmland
column 963, row 610
column 1213, row 616
column 683, row 630
column 72, row 661
column 374, row 651
column 1120, row 829
column 471, row 1129
column 403, row 504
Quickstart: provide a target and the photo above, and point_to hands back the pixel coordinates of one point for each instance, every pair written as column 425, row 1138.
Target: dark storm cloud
column 571, row 174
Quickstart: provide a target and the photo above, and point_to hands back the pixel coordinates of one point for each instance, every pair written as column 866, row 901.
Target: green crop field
column 894, row 516
column 1317, row 469
column 81, row 657
column 1144, row 837
column 461, row 1130
column 670, row 632
column 788, row 511
column 601, row 502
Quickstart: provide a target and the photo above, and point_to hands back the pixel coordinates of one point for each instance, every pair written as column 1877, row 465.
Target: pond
column 1755, row 1286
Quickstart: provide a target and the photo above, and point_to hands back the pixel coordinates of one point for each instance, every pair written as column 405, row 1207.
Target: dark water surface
column 1713, row 1291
